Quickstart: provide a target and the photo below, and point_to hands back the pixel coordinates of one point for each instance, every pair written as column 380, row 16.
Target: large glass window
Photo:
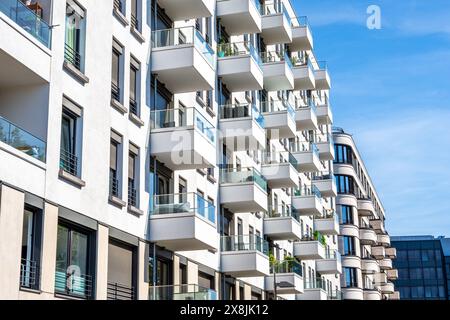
column 344, row 154
column 346, row 214
column 31, row 243
column 73, row 276
column 349, row 246
column 345, row 184
column 350, row 277
column 116, row 78
column 69, row 157
column 75, row 35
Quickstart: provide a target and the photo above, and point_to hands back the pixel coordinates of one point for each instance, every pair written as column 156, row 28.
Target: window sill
column 117, row 201
column 212, row 179
column 211, row 112
column 137, row 34
column 135, row 119
column 135, row 211
column 200, row 101
column 30, row 290
column 71, row 178
column 122, row 19
column 77, row 74
column 118, row 106
column 202, row 172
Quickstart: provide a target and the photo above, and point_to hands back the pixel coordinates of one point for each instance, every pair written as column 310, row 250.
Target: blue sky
column 391, row 89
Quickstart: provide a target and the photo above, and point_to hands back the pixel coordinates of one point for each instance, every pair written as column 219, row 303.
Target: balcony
column 391, row 253
column 367, row 236
column 331, row 264
column 302, row 38
column 325, row 145
column 324, row 113
column 304, row 78
column 394, row 296
column 314, row 289
column 323, row 80
column 352, row 293
column 378, row 225
column 306, row 116
column 182, row 59
column 326, row 184
column 26, row 18
column 245, row 256
column 385, row 264
column 372, row 293
column 276, row 24
column 279, row 170
column 369, row 265
column 282, row 224
column 328, row 224
column 310, row 248
column 277, row 70
column 287, row 276
column 243, row 190
column 240, row 66
column 388, row 288
column 308, row 159
column 279, row 118
column 378, row 252
column 365, row 207
column 181, row 292
column 183, row 222
column 392, row 274
column 307, row 201
column 384, row 240
column 187, row 9
column 380, row 279
column 240, row 17
column 242, row 127
column 183, row 139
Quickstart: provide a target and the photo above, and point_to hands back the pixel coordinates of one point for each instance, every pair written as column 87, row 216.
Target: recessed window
column 116, row 76
column 70, row 140
column 115, row 165
column 134, row 87
column 75, row 35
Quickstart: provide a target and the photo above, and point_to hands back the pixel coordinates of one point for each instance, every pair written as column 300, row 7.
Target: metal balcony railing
column 117, row 291
column 72, row 284
column 134, row 22
column 113, row 185
column 115, row 91
column 132, row 194
column 282, row 211
column 236, row 111
column 243, row 175
column 287, row 266
column 22, row 140
column 236, row 49
column 134, row 107
column 29, row 274
column 275, row 56
column 244, row 243
column 72, row 56
column 181, row 292
column 69, row 162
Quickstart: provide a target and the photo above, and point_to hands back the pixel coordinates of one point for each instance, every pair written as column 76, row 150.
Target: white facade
column 181, row 135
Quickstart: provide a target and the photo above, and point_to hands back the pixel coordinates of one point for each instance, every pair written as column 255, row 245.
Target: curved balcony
column 277, row 70
column 392, row 274
column 242, row 127
column 349, row 230
column 351, row 261
column 365, row 207
column 372, row 294
column 307, row 202
column 243, row 190
column 240, row 66
column 369, row 266
column 385, row 264
column 282, row 224
column 377, row 225
column 391, row 253
column 183, row 139
column 287, row 276
column 352, row 294
column 279, row 119
column 183, row 60
column 388, row 288
column 276, row 24
column 245, row 256
column 367, row 236
column 378, row 252
column 279, row 170
column 302, row 38
column 240, row 16
column 384, row 240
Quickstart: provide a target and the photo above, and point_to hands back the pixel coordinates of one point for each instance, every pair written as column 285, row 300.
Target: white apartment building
column 165, row 149
column 364, row 241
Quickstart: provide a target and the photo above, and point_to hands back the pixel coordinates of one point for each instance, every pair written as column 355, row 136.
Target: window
column 133, row 176
column 119, row 5
column 350, row 277
column 346, row 214
column 73, row 273
column 70, row 144
column 117, row 56
column 349, row 246
column 135, row 15
column 75, row 35
column 115, row 165
column 344, row 154
column 134, row 87
column 345, row 184
column 121, row 271
column 31, row 245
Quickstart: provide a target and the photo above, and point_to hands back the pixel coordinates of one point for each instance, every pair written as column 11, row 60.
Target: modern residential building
column 364, row 242
column 423, row 264
column 167, row 149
